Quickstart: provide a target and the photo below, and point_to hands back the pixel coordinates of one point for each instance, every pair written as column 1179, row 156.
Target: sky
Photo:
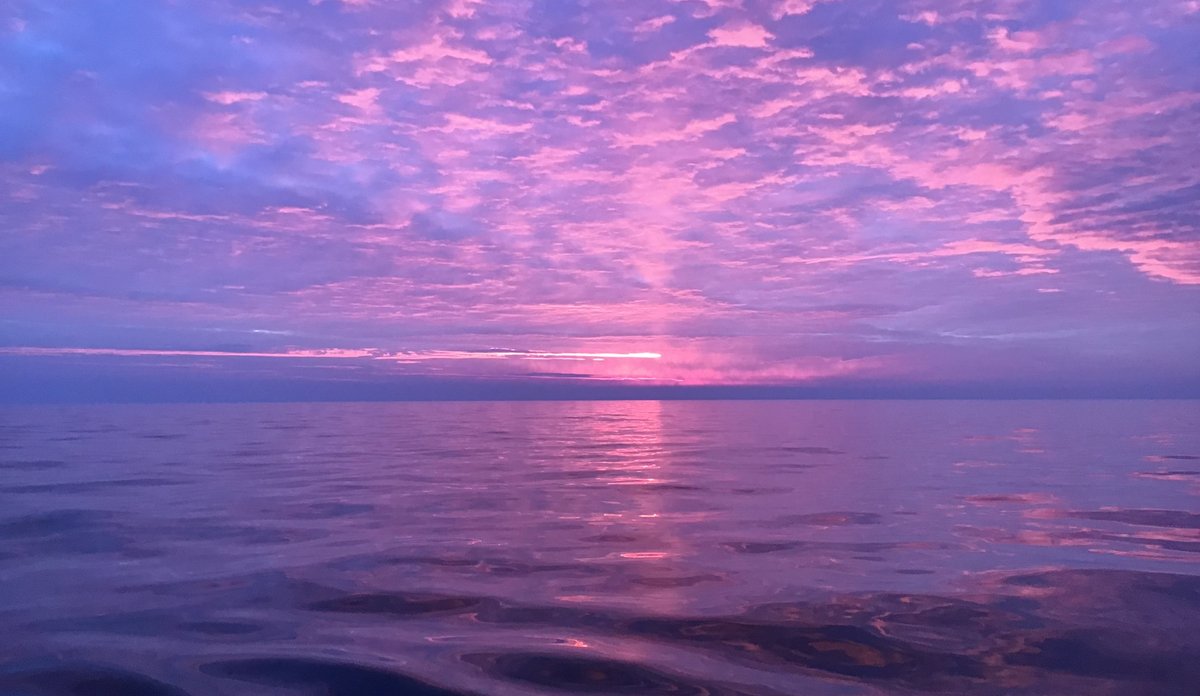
column 552, row 198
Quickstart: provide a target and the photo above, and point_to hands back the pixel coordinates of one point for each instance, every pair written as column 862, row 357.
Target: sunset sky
column 411, row 198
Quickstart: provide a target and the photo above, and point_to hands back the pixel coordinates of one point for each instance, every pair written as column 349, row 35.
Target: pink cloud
column 743, row 34
column 230, row 98
column 365, row 99
column 785, row 8
column 653, row 25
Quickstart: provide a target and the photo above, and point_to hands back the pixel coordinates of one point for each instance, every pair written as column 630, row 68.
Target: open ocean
column 684, row 548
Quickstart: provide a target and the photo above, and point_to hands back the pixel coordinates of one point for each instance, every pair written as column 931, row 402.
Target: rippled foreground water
column 625, row 547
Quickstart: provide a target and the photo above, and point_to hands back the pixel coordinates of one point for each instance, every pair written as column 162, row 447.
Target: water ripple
column 634, row 547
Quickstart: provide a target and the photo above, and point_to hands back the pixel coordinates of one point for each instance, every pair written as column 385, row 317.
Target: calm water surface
column 683, row 548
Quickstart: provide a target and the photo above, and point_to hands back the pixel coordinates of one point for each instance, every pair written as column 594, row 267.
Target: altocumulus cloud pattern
column 729, row 192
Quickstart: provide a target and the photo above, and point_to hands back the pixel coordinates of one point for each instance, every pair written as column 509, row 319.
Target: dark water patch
column 222, row 629
column 269, row 536
column 248, row 535
column 58, row 522
column 451, row 452
column 83, row 487
column 521, row 569
column 936, row 643
column 610, row 539
column 1176, row 519
column 313, row 676
column 1161, row 601
column 439, row 561
column 162, row 436
column 32, row 464
column 1072, row 577
column 761, row 491
column 255, row 452
column 124, row 623
column 759, row 546
column 257, row 590
column 1180, row 457
column 586, row 675
column 396, row 604
column 216, row 529
column 679, row 581
column 1021, row 498
column 1185, row 588
column 829, row 519
column 845, row 650
column 810, row 450
column 95, row 431
column 158, row 623
column 321, row 511
column 497, row 566
column 578, row 474
column 80, row 680
column 1106, row 655
column 930, row 642
column 1144, row 536
column 868, row 547
column 664, row 486
column 933, row 622
column 505, row 613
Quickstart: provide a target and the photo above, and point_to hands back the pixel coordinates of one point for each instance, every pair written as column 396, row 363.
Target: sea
column 685, row 548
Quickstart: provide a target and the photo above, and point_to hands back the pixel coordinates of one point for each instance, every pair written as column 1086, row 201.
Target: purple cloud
column 761, row 192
